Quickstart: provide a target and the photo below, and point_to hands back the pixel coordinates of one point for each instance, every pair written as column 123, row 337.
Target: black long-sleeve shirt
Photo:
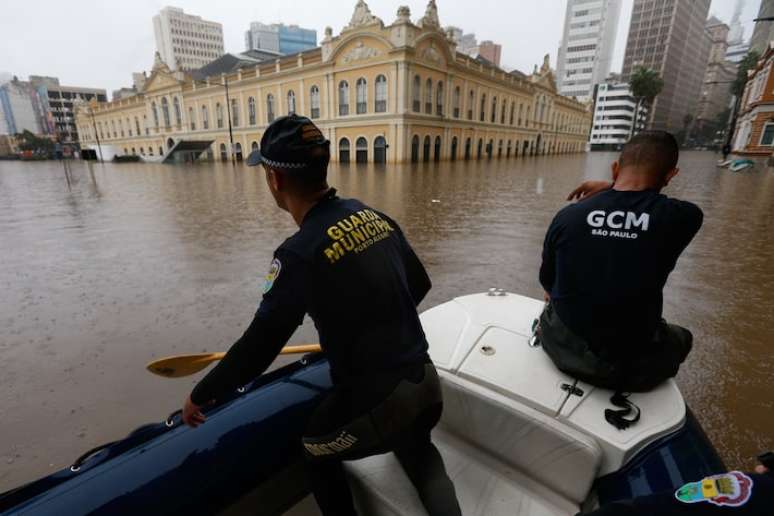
column 351, row 269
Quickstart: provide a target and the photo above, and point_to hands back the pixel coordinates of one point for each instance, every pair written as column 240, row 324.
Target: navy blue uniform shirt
column 606, row 260
column 351, row 269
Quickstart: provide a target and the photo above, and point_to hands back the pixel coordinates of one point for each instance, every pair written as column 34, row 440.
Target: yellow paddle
column 185, row 365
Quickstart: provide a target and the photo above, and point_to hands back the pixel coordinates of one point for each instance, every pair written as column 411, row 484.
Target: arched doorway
column 343, row 150
column 415, row 149
column 161, row 151
column 490, row 149
column 537, row 144
column 170, row 143
column 223, row 153
column 361, row 150
column 426, row 149
column 437, row 150
column 253, row 146
column 508, row 152
column 453, row 156
column 500, row 149
column 480, row 148
column 238, row 148
column 525, row 148
column 468, row 150
column 380, row 150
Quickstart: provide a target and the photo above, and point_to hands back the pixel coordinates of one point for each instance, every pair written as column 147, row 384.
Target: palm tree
column 645, row 85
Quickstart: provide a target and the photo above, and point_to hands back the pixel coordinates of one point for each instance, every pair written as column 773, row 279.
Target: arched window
column 145, row 124
column 489, row 149
column 235, row 112
column 253, row 146
column 155, row 115
column 129, row 126
column 521, row 110
column 142, row 151
column 526, row 117
column 508, row 154
column 361, row 98
column 223, row 153
column 471, row 104
column 439, row 99
column 121, row 127
column 361, row 150
column 437, row 149
column 161, row 151
column 380, row 103
column 205, row 118
column 314, row 97
column 456, row 102
column 415, row 149
column 343, row 150
column 150, row 151
column 170, row 143
column 502, row 112
column 219, row 115
column 380, row 150
column 291, row 102
column 429, row 97
column 480, row 148
column 251, row 110
column 513, row 111
column 493, row 115
column 500, row 149
column 192, row 118
column 178, row 113
column 426, row 149
column 165, row 111
column 238, row 151
column 270, row 108
column 416, row 94
column 133, row 151
column 343, row 98
column 453, row 155
column 113, row 125
column 483, row 107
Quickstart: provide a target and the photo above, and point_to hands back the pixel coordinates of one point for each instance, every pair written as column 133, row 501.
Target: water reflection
column 136, row 261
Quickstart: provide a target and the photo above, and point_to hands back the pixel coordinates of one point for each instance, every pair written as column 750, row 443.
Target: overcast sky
column 99, row 43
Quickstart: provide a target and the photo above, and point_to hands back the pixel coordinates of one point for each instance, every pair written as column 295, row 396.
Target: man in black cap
column 351, row 269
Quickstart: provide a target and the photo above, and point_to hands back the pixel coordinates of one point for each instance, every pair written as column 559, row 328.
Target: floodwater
column 115, row 264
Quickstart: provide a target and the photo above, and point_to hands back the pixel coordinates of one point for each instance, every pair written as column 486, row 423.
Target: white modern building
column 586, row 51
column 20, row 108
column 613, row 116
column 185, row 41
column 737, row 46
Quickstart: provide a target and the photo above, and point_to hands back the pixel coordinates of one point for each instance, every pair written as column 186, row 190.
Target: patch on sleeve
column 272, row 275
column 731, row 489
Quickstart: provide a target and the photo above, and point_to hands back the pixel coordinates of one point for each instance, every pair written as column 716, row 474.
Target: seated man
column 605, row 262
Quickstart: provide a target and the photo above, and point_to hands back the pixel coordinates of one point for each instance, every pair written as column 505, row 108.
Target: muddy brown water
column 135, row 261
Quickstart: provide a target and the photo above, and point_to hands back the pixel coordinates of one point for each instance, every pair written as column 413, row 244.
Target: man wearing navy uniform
column 352, row 270
column 606, row 260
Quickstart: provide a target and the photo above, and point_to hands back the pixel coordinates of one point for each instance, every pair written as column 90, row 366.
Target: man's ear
column 615, row 168
column 275, row 179
column 672, row 173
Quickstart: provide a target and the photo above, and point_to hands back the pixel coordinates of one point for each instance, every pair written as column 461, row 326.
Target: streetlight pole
column 96, row 134
column 228, row 112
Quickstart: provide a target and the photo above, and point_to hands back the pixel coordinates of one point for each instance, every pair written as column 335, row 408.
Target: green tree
column 645, row 85
column 749, row 61
column 28, row 141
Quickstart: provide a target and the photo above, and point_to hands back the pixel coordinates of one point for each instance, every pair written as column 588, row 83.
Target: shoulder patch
column 272, row 275
column 731, row 489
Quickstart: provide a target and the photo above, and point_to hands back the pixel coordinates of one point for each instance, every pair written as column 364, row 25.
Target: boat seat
column 504, row 458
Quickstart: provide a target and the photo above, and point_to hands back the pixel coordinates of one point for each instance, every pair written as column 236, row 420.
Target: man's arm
column 280, row 313
column 416, row 276
column 548, row 266
column 589, row 188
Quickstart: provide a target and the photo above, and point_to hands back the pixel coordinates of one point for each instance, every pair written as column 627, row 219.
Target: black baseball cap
column 291, row 142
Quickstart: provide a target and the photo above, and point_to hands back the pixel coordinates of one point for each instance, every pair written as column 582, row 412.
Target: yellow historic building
column 380, row 93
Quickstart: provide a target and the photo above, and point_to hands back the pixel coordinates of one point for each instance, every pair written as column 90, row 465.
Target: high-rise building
column 669, row 36
column 737, row 46
column 466, row 43
column 586, row 51
column 614, row 108
column 20, row 106
column 280, row 38
column 58, row 105
column 185, row 41
column 715, row 91
column 764, row 30
column 490, row 51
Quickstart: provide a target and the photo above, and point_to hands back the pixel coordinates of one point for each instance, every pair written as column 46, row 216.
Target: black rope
column 617, row 418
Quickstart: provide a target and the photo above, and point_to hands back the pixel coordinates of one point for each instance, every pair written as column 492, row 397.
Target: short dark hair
column 313, row 177
column 654, row 151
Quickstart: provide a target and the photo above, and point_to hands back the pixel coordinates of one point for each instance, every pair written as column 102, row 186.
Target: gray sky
column 99, row 43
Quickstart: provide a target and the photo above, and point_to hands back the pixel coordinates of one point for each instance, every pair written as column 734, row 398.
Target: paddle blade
column 182, row 365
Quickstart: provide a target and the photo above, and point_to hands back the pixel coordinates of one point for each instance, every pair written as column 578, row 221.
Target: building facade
column 185, row 41
column 21, row 108
column 669, row 36
column 763, row 32
column 754, row 132
column 280, row 38
column 716, row 97
column 614, row 108
column 490, row 51
column 586, row 51
column 379, row 93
